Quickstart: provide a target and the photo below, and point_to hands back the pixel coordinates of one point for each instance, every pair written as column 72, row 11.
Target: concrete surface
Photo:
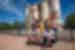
column 8, row 42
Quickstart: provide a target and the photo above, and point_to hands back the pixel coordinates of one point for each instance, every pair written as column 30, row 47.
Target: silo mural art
column 46, row 13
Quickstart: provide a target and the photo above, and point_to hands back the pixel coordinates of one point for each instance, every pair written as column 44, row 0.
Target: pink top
column 37, row 30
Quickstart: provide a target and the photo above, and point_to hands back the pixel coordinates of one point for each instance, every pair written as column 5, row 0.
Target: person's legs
column 45, row 43
column 53, row 41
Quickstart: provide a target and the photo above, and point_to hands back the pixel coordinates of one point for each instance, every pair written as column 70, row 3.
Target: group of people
column 48, row 33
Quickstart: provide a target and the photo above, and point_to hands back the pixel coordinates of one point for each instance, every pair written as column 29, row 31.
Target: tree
column 4, row 26
column 8, row 26
column 70, row 23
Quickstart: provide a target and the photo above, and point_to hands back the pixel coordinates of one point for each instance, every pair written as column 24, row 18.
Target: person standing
column 48, row 36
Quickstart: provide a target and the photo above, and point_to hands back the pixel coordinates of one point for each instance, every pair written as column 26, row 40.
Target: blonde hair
column 42, row 27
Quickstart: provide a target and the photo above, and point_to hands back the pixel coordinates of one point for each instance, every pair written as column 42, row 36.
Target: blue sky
column 10, row 10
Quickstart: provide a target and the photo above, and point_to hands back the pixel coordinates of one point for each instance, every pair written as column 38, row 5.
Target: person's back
column 45, row 34
column 51, row 34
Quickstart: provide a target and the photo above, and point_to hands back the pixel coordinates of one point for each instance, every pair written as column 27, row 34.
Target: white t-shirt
column 50, row 34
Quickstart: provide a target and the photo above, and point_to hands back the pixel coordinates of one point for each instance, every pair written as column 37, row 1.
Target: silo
column 44, row 10
column 56, row 7
column 55, row 13
column 35, row 12
column 28, row 20
column 57, row 16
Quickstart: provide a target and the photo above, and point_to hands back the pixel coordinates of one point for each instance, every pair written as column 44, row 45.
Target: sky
column 12, row 10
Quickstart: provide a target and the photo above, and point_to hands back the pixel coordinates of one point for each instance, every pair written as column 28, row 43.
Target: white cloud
column 5, row 4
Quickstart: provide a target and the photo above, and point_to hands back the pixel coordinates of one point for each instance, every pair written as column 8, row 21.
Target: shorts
column 45, row 41
column 53, row 41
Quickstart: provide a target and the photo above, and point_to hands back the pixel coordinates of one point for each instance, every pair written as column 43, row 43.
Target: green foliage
column 70, row 21
column 7, row 26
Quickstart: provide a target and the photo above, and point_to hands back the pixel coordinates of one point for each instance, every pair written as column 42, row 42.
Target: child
column 48, row 38
column 45, row 40
column 52, row 36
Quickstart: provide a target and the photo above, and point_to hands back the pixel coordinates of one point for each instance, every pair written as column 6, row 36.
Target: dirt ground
column 8, row 42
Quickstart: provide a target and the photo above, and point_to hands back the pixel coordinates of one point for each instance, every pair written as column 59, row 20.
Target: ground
column 8, row 42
